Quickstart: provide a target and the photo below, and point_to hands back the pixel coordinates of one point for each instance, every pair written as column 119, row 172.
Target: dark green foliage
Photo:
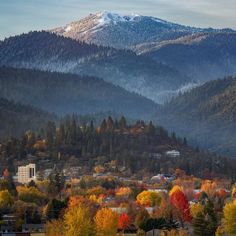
column 17, row 118
column 199, row 225
column 205, row 115
column 68, row 93
column 141, row 218
column 32, row 215
column 205, row 223
column 8, row 184
column 32, row 184
column 137, row 148
column 57, row 182
column 54, row 209
column 158, row 223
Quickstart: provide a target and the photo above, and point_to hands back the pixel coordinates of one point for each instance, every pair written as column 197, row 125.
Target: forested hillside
column 137, row 149
column 202, row 57
column 68, row 93
column 47, row 51
column 206, row 114
column 17, row 118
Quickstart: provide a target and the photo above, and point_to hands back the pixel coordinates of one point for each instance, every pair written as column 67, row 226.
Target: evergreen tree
column 50, row 133
column 103, row 127
column 151, row 128
column 122, row 123
column 110, row 124
column 54, row 208
column 199, row 225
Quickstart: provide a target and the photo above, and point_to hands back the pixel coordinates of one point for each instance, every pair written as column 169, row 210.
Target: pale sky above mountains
column 18, row 16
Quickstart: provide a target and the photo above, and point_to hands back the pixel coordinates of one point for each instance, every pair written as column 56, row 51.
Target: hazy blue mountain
column 67, row 93
column 201, row 56
column 17, row 118
column 206, row 115
column 47, row 51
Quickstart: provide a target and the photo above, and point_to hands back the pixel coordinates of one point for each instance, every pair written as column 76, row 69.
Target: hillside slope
column 46, row 51
column 125, row 31
column 17, row 118
column 206, row 115
column 202, row 57
column 68, row 93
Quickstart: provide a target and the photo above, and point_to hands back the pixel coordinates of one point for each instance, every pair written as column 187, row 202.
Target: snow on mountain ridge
column 126, row 30
column 107, row 17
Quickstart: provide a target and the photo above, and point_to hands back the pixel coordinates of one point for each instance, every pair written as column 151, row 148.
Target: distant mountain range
column 17, row 118
column 47, row 51
column 206, row 115
column 67, row 93
column 201, row 54
column 202, row 57
column 127, row 64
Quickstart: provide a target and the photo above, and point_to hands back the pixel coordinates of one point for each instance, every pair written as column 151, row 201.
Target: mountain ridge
column 16, row 118
column 68, row 93
column 206, row 115
column 98, row 28
column 50, row 52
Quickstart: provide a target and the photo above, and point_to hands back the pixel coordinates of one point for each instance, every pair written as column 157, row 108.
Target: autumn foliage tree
column 78, row 222
column 196, row 208
column 124, row 222
column 229, row 220
column 106, row 222
column 6, row 200
column 31, row 194
column 123, row 192
column 180, row 203
column 149, row 198
column 55, row 228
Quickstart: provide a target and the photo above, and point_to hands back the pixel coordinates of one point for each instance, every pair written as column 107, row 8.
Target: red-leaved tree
column 124, row 222
column 180, row 203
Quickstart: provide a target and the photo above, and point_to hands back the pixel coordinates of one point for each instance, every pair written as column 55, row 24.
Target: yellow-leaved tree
column 196, row 208
column 6, row 200
column 149, row 198
column 229, row 220
column 175, row 189
column 233, row 192
column 31, row 194
column 106, row 222
column 78, row 222
column 55, row 228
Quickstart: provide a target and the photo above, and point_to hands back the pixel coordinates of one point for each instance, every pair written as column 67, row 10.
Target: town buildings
column 26, row 173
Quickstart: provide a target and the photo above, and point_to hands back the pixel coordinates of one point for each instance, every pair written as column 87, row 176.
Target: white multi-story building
column 26, row 173
column 173, row 153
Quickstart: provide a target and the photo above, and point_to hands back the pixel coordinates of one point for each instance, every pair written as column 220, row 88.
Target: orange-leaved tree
column 106, row 222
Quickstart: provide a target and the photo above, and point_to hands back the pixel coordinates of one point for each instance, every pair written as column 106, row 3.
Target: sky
column 21, row 16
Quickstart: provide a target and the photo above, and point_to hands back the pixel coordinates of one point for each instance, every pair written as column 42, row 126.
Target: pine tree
column 122, row 123
column 151, row 128
column 110, row 124
column 199, row 225
column 103, row 126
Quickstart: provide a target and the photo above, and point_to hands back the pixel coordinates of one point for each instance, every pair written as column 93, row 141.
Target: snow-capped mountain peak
column 125, row 31
column 106, row 17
